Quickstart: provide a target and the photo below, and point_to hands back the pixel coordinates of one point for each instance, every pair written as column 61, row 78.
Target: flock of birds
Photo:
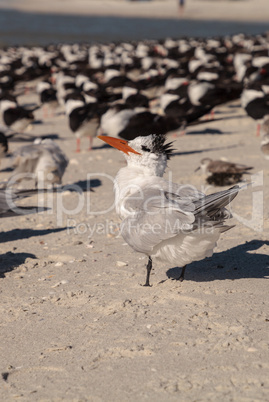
column 131, row 94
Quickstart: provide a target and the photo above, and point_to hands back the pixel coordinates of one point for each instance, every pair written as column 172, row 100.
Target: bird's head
column 203, row 165
column 148, row 152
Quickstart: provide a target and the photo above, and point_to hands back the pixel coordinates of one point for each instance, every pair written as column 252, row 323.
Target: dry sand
column 76, row 324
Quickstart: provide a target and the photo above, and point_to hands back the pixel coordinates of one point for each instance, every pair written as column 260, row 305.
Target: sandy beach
column 242, row 10
column 76, row 324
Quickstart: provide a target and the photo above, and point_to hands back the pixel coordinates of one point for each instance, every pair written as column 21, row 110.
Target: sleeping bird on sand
column 42, row 161
column 222, row 173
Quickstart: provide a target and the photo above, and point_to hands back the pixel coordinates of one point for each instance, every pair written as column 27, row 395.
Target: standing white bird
column 167, row 221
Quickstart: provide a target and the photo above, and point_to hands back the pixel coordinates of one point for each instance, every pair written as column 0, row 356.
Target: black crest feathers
column 160, row 147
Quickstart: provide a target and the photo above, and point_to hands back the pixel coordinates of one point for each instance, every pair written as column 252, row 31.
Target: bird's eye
column 144, row 148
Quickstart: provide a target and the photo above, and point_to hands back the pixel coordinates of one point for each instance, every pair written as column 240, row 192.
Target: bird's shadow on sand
column 215, row 119
column 24, row 137
column 7, row 170
column 209, row 131
column 234, row 106
column 199, row 151
column 238, row 262
column 19, row 234
column 230, row 117
column 223, row 111
column 37, row 122
column 10, row 261
column 102, row 146
column 83, row 185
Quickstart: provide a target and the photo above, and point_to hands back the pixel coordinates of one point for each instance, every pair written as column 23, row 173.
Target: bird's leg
column 90, row 144
column 181, row 278
column 258, row 130
column 78, row 145
column 149, row 267
column 52, row 111
column 183, row 129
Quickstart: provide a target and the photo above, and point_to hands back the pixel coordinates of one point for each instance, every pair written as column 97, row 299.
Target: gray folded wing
column 156, row 215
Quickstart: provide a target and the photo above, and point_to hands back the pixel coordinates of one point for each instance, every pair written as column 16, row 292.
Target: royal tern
column 164, row 220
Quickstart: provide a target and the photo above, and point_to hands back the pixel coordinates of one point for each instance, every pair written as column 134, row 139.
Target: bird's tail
column 211, row 204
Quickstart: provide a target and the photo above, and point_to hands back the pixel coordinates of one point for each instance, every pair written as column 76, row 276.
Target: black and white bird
column 83, row 118
column 203, row 93
column 173, row 223
column 182, row 109
column 47, row 97
column 123, row 122
column 16, row 117
column 256, row 104
column 133, row 98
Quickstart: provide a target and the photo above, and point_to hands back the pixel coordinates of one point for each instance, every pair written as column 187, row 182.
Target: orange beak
column 121, row 145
